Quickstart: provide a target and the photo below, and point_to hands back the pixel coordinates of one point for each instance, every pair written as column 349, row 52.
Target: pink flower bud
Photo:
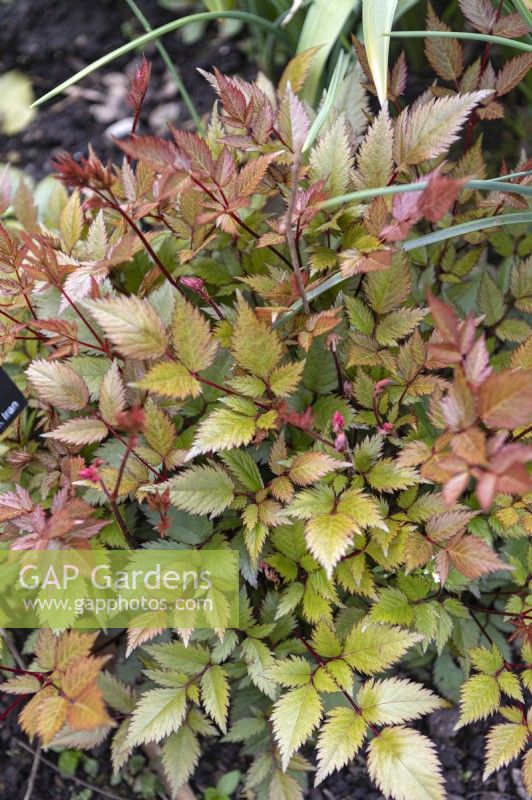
column 338, row 422
column 90, row 474
column 386, row 428
column 340, row 443
column 380, row 386
column 194, row 283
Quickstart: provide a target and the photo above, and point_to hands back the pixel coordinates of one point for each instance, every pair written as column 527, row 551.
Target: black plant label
column 12, row 402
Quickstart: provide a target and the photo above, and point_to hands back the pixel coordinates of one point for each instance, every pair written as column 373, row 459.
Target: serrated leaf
column 389, row 289
column 112, row 395
column 503, row 743
column 285, row 379
column 331, row 159
column 71, row 221
column 202, row 490
column 170, row 379
column 245, row 470
column 58, row 385
column 307, row 468
column 473, row 557
column 222, row 430
column 284, row 787
column 375, row 155
column 159, row 430
column 479, row 697
column 490, row 299
column 132, row 324
column 80, row 431
column 387, row 476
column 404, row 765
column 191, row 336
column 158, row 713
column 295, row 715
column 446, row 56
column 180, row 755
column 340, row 739
column 215, row 695
column 371, row 648
column 290, row 672
column 255, row 346
column 398, row 324
column 360, row 317
column 328, row 538
column 391, row 701
column 430, row 128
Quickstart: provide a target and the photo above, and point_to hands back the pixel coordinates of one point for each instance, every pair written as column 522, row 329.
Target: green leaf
column 295, row 715
column 375, row 155
column 309, row 467
column 360, row 317
column 392, row 606
column 159, row 712
column 331, row 158
column 132, row 325
column 504, row 743
column 480, row 696
column 284, row 787
column 202, row 490
column 404, row 765
column 371, row 648
column 222, row 430
column 191, row 335
column 159, row 430
column 386, row 476
column 388, row 289
column 71, row 221
column 215, row 695
column 398, row 324
column 170, row 379
column 255, row 346
column 490, row 299
column 340, row 739
column 245, row 470
column 391, row 701
column 180, row 755
column 285, row 379
column 328, row 537
column 293, row 671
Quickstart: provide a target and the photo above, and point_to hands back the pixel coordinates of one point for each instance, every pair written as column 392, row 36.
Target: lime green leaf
column 340, row 739
column 398, row 324
column 504, row 743
column 159, row 712
column 386, row 290
column 479, row 697
column 244, row 469
column 371, row 648
column 307, row 468
column 215, row 695
column 255, row 346
column 293, row 671
column 179, row 756
column 284, row 380
column 331, row 158
column 404, row 765
column 328, row 537
column 71, row 221
column 191, row 335
column 16, row 97
column 390, row 701
column 170, row 379
column 295, row 715
column 222, row 430
column 375, row 155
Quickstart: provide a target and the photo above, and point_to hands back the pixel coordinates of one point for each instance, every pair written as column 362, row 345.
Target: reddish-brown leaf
column 513, row 73
column 505, row 399
column 473, row 557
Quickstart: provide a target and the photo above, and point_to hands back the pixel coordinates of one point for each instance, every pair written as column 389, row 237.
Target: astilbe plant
column 367, row 459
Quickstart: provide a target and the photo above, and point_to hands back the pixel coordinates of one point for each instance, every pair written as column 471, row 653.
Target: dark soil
column 461, row 755
column 50, row 40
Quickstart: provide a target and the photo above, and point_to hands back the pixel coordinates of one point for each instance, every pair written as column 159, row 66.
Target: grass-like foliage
column 366, row 453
